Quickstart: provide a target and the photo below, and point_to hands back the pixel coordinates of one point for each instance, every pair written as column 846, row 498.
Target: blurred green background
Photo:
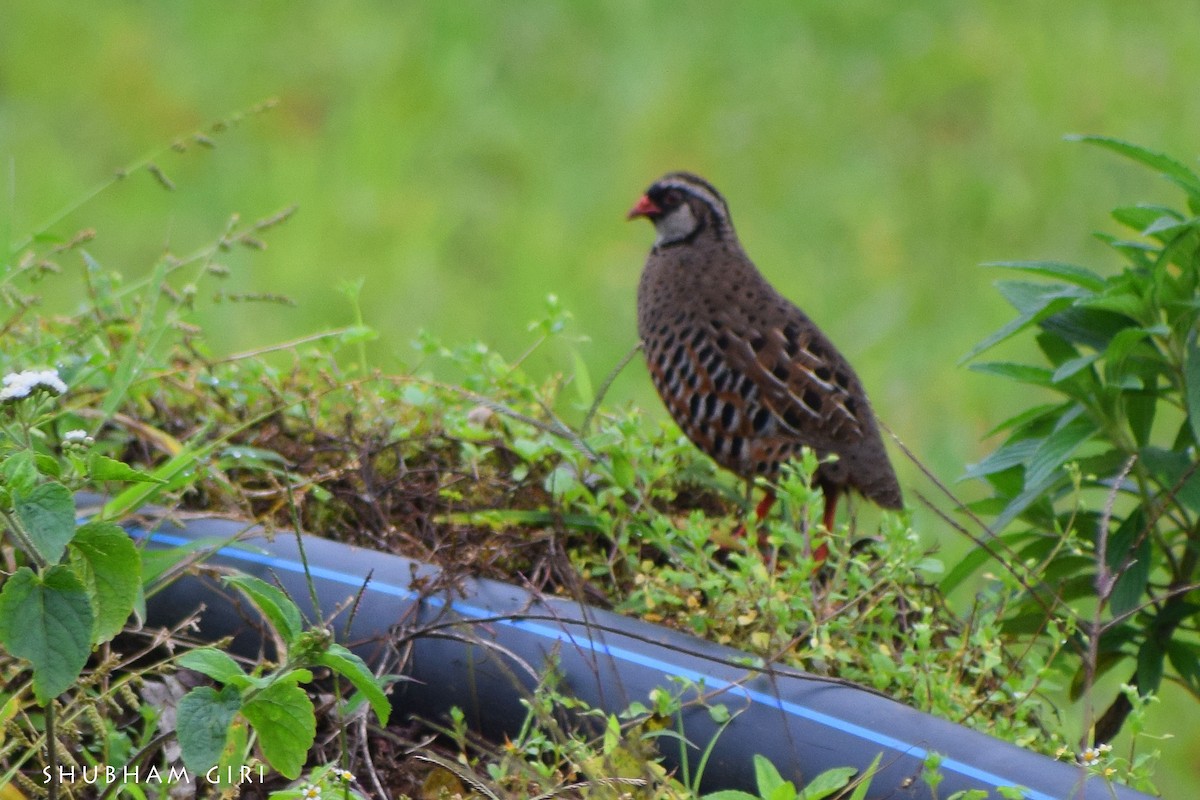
column 467, row 158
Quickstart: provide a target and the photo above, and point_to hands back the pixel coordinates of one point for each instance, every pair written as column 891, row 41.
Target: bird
column 747, row 375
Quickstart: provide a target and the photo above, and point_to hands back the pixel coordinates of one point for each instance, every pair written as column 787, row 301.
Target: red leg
column 764, row 507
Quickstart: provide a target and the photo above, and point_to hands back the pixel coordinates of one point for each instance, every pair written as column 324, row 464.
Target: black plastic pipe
column 481, row 645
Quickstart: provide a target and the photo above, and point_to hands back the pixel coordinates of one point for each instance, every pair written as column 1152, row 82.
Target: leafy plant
column 277, row 710
column 1095, row 500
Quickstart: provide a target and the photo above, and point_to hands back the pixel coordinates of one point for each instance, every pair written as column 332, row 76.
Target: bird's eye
column 673, row 197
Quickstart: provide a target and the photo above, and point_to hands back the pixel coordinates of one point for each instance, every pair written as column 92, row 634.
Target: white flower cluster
column 22, row 384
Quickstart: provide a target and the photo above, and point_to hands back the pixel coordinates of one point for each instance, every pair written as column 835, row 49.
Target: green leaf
column 1131, row 583
column 1023, row 373
column 47, row 620
column 355, row 670
column 282, row 716
column 1186, row 661
column 1155, row 160
column 110, row 566
column 216, row 664
column 1058, row 447
column 1010, row 454
column 729, row 794
column 1080, row 276
column 769, row 782
column 1052, row 306
column 275, row 605
column 1149, row 666
column 203, row 719
column 1191, row 375
column 102, row 468
column 48, row 515
column 18, row 472
column 828, row 782
column 622, row 470
column 1140, row 217
column 864, row 783
column 582, row 379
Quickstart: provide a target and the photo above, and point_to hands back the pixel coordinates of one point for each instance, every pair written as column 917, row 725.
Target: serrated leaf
column 282, row 716
column 1080, row 276
column 110, row 566
column 203, row 717
column 355, row 670
column 47, row 620
column 47, row 513
column 18, row 472
column 1155, row 160
column 275, row 605
column 102, row 468
column 216, row 664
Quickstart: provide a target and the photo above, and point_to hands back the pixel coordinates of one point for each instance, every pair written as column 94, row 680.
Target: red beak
column 644, row 207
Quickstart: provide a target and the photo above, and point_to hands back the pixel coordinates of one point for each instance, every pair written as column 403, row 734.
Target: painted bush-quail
column 747, row 375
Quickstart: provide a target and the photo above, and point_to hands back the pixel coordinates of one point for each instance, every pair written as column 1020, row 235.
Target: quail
column 744, row 372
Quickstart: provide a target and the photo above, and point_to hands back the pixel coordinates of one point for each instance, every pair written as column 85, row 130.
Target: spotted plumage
column 747, row 375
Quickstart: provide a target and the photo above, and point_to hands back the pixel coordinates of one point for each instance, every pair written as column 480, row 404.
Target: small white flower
column 311, row 793
column 75, row 436
column 21, row 384
column 345, row 775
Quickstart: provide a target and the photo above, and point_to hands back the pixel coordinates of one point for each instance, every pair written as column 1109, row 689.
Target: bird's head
column 683, row 206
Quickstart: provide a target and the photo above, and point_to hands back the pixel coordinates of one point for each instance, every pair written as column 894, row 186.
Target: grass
column 466, row 160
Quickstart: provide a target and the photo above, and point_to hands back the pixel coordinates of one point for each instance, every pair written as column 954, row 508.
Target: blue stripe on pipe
column 619, row 653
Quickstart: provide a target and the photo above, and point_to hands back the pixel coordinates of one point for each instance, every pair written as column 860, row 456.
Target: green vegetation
column 537, row 479
column 465, row 160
